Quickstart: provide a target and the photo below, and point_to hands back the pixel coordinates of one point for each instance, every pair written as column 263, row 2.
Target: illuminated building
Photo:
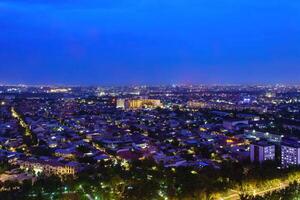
column 121, row 103
column 59, row 90
column 270, row 94
column 138, row 103
column 290, row 154
column 196, row 104
column 64, row 153
column 262, row 151
column 257, row 135
column 47, row 167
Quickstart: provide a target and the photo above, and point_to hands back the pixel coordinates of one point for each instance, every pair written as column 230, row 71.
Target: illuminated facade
column 47, row 167
column 262, row 151
column 290, row 154
column 138, row 103
column 59, row 90
column 121, row 103
column 196, row 104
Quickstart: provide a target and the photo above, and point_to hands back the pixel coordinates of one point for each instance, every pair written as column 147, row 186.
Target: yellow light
column 191, row 151
column 12, row 149
column 125, row 164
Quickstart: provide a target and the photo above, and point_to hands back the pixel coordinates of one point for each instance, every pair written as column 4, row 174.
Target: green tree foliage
column 147, row 180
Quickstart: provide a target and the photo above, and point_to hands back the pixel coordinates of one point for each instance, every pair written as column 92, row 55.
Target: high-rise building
column 290, row 154
column 262, row 151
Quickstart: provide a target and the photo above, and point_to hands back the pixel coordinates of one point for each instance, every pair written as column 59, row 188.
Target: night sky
column 114, row 42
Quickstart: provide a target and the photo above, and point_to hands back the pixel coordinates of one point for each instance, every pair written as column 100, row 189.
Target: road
column 22, row 123
column 236, row 196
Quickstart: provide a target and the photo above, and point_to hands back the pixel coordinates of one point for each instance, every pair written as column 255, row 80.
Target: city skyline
column 163, row 142
column 149, row 42
column 149, row 99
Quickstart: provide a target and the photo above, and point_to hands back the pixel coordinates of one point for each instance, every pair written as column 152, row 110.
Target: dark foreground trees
column 144, row 180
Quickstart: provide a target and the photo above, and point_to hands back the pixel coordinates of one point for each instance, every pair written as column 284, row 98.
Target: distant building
column 250, row 117
column 65, row 153
column 196, row 104
column 138, row 103
column 234, row 123
column 121, row 103
column 290, row 153
column 257, row 135
column 270, row 94
column 220, row 113
column 262, row 151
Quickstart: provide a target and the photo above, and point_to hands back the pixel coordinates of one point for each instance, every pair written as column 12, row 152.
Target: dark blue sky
column 117, row 42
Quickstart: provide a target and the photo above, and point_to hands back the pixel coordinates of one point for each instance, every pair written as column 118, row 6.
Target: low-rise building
column 233, row 123
column 47, row 167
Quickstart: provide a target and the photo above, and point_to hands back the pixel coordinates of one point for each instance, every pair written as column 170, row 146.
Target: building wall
column 138, row 103
column 121, row 103
column 262, row 153
column 289, row 155
column 48, row 169
column 269, row 153
column 298, row 160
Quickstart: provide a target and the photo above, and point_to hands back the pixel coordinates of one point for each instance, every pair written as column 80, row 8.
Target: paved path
column 236, row 194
